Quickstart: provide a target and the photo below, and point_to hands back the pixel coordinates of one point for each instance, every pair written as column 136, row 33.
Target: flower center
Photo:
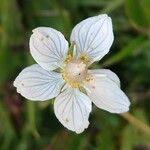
column 75, row 72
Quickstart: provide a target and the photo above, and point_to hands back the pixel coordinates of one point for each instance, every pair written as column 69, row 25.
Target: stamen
column 84, row 58
column 68, row 58
column 74, row 72
column 89, row 78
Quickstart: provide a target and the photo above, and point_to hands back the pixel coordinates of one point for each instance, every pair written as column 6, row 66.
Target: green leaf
column 126, row 51
column 113, row 5
column 10, row 17
column 7, row 132
column 5, row 61
column 138, row 13
column 132, row 137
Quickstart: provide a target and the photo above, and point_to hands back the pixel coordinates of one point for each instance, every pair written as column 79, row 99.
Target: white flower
column 74, row 86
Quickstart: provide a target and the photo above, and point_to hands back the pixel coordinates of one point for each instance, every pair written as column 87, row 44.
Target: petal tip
column 105, row 16
column 16, row 82
column 123, row 110
column 102, row 15
column 36, row 29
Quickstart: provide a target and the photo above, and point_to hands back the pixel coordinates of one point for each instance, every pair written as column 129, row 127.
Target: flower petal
column 72, row 109
column 48, row 47
column 106, row 94
column 35, row 83
column 93, row 37
column 106, row 73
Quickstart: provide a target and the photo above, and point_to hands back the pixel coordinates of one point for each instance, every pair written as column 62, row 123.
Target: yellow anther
column 84, row 58
column 75, row 70
column 68, row 58
column 89, row 78
column 72, row 83
column 64, row 75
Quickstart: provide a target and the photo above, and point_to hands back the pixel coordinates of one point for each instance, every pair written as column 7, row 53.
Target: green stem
column 137, row 123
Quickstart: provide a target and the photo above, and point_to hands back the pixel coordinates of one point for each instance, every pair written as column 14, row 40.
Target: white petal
column 72, row 109
column 106, row 94
column 48, row 47
column 35, row 83
column 93, row 36
column 106, row 73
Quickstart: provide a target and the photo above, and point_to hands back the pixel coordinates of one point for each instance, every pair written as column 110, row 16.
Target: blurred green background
column 26, row 125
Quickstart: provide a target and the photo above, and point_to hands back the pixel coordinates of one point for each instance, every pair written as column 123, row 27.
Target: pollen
column 68, row 58
column 72, row 83
column 74, row 72
column 89, row 78
column 84, row 58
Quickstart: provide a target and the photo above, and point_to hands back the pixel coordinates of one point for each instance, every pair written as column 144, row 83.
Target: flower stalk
column 136, row 122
